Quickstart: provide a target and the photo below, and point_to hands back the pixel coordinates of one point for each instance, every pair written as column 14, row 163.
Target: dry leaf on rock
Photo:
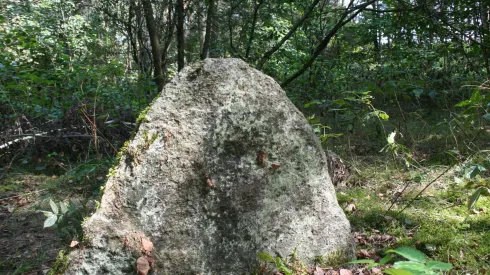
column 147, row 245
column 142, row 266
column 318, row 271
column 73, row 243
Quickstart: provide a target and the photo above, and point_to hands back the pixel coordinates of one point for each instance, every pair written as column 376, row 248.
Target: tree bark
column 209, row 24
column 155, row 45
column 252, row 30
column 180, row 35
column 276, row 47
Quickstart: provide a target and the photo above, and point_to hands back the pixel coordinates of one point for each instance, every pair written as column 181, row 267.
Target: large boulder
column 223, row 166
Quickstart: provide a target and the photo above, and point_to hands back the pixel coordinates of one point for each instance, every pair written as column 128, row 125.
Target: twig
column 28, row 193
column 427, row 186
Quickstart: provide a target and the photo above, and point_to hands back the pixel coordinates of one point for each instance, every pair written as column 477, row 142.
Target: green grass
column 438, row 223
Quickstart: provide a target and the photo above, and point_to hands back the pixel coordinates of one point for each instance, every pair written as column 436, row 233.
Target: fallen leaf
column 142, row 266
column 345, row 272
column 376, row 270
column 350, row 208
column 318, row 271
column 210, row 182
column 147, row 245
column 73, row 243
column 275, row 166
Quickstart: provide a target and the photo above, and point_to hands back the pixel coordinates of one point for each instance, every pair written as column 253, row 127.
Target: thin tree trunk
column 168, row 40
column 324, row 43
column 155, row 45
column 180, row 34
column 276, row 47
column 252, row 30
column 209, row 24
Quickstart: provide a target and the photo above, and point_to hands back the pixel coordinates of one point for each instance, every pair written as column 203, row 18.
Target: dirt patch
column 27, row 248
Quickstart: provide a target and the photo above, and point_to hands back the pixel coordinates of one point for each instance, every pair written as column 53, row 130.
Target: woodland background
column 397, row 88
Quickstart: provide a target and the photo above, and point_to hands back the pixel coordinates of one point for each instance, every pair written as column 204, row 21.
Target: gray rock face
column 224, row 166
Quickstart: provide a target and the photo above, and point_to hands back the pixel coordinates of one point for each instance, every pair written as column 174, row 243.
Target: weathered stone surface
column 223, row 167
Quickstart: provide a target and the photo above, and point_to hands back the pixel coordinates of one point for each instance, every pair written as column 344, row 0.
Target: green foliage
column 60, row 265
column 289, row 266
column 473, row 120
column 398, row 150
column 66, row 217
column 416, row 264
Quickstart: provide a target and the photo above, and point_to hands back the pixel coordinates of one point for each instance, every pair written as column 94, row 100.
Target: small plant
column 417, row 263
column 398, row 150
column 291, row 265
column 66, row 217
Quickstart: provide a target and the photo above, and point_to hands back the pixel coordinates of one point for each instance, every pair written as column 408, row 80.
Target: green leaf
column 266, row 257
column 362, row 262
column 463, row 103
column 63, row 207
column 436, row 265
column 383, row 116
column 50, row 221
column 487, row 116
column 474, row 198
column 47, row 213
column 391, row 138
column 410, row 265
column 418, row 92
column 473, row 171
column 409, row 253
column 54, row 207
column 476, row 97
column 393, row 271
column 385, row 259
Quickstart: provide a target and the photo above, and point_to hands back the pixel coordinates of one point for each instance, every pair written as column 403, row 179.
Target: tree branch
column 276, row 47
column 324, row 43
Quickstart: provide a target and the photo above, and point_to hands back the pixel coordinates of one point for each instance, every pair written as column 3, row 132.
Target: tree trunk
column 155, row 45
column 180, row 34
column 252, row 30
column 209, row 24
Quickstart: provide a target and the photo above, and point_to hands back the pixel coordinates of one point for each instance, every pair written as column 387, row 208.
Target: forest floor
column 379, row 198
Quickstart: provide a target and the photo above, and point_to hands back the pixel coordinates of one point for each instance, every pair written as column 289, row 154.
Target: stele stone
column 223, row 166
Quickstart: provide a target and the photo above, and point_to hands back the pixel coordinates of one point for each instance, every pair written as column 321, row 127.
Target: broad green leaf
column 409, row 253
column 410, row 265
column 266, row 257
column 474, row 198
column 473, row 171
column 50, row 221
column 394, row 271
column 487, row 116
column 54, row 207
column 63, row 207
column 436, row 265
column 47, row 213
